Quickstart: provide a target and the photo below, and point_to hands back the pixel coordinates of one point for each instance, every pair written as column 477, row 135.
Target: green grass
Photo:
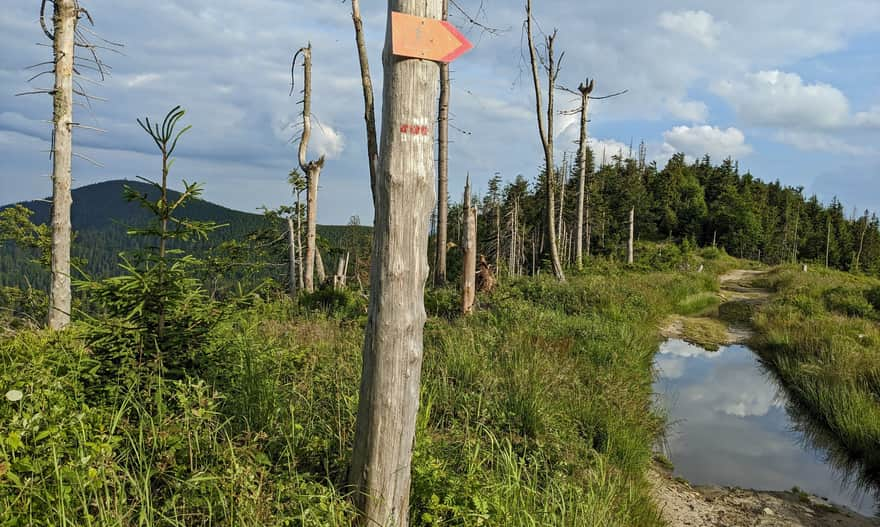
column 820, row 337
column 535, row 411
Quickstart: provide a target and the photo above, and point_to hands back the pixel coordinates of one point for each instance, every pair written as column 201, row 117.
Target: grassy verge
column 820, row 336
column 535, row 411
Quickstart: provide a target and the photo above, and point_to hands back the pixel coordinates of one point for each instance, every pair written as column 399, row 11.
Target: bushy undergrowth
column 535, row 411
column 821, row 338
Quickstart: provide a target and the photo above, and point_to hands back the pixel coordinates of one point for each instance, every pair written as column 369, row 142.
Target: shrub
column 443, row 302
column 848, row 301
column 335, row 302
column 873, row 297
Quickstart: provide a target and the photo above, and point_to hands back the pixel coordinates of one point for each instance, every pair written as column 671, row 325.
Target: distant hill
column 101, row 217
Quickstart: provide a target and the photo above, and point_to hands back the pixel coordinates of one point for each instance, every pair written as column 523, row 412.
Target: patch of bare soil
column 684, row 505
column 738, row 297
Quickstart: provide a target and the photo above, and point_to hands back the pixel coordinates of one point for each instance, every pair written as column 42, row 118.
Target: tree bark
column 392, row 356
column 546, row 133
column 320, row 270
column 585, row 89
column 311, row 169
column 469, row 246
column 65, row 16
column 630, row 257
column 443, row 166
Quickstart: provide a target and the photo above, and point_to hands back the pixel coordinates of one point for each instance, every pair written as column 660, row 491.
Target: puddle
column 730, row 426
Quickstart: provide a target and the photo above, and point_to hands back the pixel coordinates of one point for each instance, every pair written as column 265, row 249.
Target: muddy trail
column 726, row 324
column 714, row 506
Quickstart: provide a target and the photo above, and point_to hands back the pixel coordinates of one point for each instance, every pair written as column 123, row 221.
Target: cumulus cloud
column 692, row 111
column 818, row 141
column 608, row 148
column 776, row 98
column 327, row 142
column 697, row 25
column 700, row 140
column 869, row 119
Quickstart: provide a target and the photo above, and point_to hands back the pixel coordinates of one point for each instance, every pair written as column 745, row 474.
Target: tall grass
column 535, row 411
column 821, row 339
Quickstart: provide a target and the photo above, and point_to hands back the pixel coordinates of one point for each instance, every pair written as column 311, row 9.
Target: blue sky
column 789, row 87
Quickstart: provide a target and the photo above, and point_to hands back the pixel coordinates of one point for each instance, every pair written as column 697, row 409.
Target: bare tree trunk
column 312, row 170
column 291, row 234
column 65, row 16
column 585, row 89
column 828, row 243
column 546, row 134
column 443, row 167
column 320, row 270
column 392, row 355
column 630, row 257
column 300, row 272
column 369, row 103
column 469, row 246
column 511, row 264
column 857, row 266
column 497, row 237
column 562, row 181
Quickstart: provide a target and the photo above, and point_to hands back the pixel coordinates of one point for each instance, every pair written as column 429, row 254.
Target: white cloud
column 869, row 119
column 607, row 148
column 776, row 98
column 327, row 142
column 696, row 25
column 133, row 81
column 818, row 141
column 693, row 111
column 700, row 140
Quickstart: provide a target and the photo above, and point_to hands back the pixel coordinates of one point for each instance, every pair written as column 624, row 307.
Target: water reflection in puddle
column 729, row 426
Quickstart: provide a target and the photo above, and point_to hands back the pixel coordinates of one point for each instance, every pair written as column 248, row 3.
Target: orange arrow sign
column 426, row 38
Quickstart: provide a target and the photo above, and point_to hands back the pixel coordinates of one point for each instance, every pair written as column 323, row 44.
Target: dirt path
column 727, row 324
column 709, row 506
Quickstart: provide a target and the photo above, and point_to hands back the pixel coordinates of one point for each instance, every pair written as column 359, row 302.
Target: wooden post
column 469, row 246
column 380, row 472
column 65, row 17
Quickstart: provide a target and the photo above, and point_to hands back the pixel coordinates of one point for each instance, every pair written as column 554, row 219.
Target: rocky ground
column 684, row 505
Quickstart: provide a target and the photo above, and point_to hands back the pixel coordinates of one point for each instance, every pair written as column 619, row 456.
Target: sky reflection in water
column 729, row 426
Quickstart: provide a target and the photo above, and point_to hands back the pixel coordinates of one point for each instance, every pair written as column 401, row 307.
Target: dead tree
column 858, row 255
column 320, row 270
column 585, row 90
column 469, row 250
column 311, row 169
column 630, row 256
column 545, row 131
column 64, row 35
column 442, row 167
column 486, row 281
column 369, row 98
column 403, row 194
column 514, row 239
